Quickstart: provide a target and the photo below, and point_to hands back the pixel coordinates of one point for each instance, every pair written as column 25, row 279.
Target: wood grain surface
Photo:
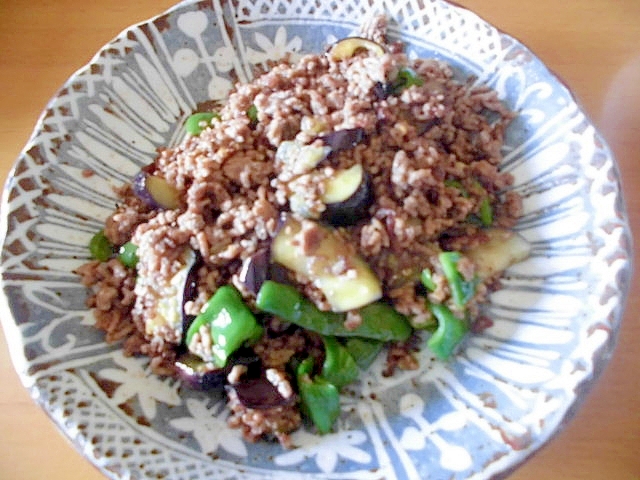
column 593, row 45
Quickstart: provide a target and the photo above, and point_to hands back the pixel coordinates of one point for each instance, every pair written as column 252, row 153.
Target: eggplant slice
column 348, row 196
column 155, row 191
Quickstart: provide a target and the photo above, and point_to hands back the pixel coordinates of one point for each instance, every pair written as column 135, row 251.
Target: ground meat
column 401, row 355
column 276, row 350
column 120, row 225
column 112, row 296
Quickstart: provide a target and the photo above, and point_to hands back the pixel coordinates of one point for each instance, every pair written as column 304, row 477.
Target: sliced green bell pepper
column 363, row 350
column 197, row 122
column 461, row 290
column 252, row 113
column 320, row 398
column 406, row 78
column 128, row 255
column 486, row 212
column 450, row 332
column 100, row 247
column 339, row 367
column 457, row 184
column 427, row 280
column 230, row 321
column 379, row 321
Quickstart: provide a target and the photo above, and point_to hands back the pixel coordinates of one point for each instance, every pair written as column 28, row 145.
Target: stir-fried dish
column 343, row 207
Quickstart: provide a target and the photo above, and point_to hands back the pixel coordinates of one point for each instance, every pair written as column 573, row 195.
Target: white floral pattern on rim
column 344, row 444
column 276, row 50
column 209, row 427
column 137, row 382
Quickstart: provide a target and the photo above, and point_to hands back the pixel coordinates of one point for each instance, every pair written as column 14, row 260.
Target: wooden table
column 594, row 45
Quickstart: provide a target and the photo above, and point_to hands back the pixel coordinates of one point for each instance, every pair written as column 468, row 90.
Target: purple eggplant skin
column 260, row 394
column 258, row 268
column 380, row 91
column 353, row 209
column 154, row 191
column 139, row 186
column 196, row 374
column 255, row 270
column 190, row 289
column 282, row 221
column 344, row 139
column 279, row 274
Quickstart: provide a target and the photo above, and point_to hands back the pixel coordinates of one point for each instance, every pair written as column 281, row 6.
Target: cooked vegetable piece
column 461, row 290
column 503, row 249
column 405, row 78
column 343, row 184
column 198, row 374
column 379, row 321
column 320, row 398
column 339, row 366
column 320, row 255
column 128, row 255
column 348, row 196
column 450, row 332
column 486, row 212
column 189, row 293
column 380, row 91
column 100, row 247
column 170, row 298
column 252, row 113
column 255, row 270
column 300, row 158
column 279, row 274
column 224, row 325
column 427, row 280
column 457, row 184
column 344, row 139
column 259, row 393
column 155, row 191
column 306, row 367
column 197, row 122
column 348, row 47
column 287, row 302
column 363, row 350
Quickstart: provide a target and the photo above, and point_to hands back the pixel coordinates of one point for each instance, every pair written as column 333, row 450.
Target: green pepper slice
column 486, row 212
column 406, row 78
column 128, row 255
column 461, row 290
column 427, row 280
column 197, row 122
column 379, row 321
column 100, row 247
column 363, row 350
column 457, row 184
column 339, row 367
column 320, row 398
column 450, row 332
column 252, row 113
column 230, row 321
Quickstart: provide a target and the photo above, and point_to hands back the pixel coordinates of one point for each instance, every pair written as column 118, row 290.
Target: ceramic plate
column 478, row 416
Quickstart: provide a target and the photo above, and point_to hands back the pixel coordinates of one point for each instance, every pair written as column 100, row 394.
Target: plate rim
column 601, row 357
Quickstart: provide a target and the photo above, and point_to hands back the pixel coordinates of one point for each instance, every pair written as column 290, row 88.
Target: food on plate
column 336, row 209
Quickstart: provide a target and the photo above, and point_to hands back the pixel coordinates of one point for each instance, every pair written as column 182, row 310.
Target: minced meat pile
column 422, row 151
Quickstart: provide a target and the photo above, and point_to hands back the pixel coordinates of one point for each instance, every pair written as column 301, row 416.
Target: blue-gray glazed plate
column 478, row 416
